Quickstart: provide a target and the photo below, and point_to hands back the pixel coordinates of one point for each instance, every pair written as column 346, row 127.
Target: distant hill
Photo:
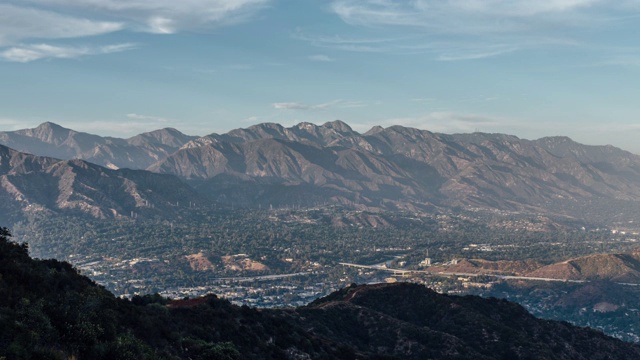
column 480, row 266
column 51, row 312
column 33, row 184
column 623, row 268
column 394, row 168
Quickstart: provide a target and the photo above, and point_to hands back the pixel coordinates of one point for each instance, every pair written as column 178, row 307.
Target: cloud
column 349, row 43
column 467, row 16
column 14, row 124
column 161, row 25
column 424, row 100
column 28, row 53
column 320, row 58
column 113, row 128
column 19, row 23
column 451, row 122
column 133, row 125
column 291, row 106
column 342, row 104
column 164, row 16
column 626, row 60
column 462, row 30
column 462, row 54
column 149, row 118
column 420, row 44
column 35, row 20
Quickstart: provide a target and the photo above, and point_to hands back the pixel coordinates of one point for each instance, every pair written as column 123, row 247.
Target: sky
column 521, row 67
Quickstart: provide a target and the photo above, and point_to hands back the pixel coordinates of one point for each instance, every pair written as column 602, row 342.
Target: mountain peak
column 267, row 125
column 49, row 132
column 338, row 125
column 305, row 125
column 374, row 130
column 50, row 125
column 556, row 140
column 166, row 136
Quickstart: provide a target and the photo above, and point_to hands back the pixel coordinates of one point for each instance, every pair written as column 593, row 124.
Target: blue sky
column 527, row 68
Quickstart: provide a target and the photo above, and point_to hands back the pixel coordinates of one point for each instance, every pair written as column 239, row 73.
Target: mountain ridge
column 32, row 184
column 137, row 152
column 393, row 168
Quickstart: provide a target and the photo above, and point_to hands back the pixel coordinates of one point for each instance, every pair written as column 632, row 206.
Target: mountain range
column 394, row 168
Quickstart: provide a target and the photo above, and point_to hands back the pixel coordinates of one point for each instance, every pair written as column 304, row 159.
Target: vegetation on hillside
column 49, row 311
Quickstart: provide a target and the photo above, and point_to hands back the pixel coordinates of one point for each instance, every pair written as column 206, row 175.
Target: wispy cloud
column 27, row 53
column 293, row 106
column 164, row 16
column 349, row 43
column 251, row 119
column 148, row 118
column 418, row 44
column 331, row 104
column 13, row 124
column 469, row 16
column 462, row 54
column 113, row 128
column 25, row 22
column 460, row 30
column 320, row 58
column 626, row 60
column 452, row 122
column 424, row 100
column 133, row 125
column 20, row 23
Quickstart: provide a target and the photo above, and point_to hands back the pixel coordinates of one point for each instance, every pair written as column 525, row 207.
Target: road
column 444, row 273
column 258, row 278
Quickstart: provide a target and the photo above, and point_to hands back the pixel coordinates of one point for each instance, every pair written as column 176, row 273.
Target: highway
column 258, row 278
column 444, row 273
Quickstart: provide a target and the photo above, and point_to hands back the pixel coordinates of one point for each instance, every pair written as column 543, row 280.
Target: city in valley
column 296, row 256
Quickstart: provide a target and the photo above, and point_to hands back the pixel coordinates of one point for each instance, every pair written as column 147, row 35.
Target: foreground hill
column 50, row 312
column 34, row 184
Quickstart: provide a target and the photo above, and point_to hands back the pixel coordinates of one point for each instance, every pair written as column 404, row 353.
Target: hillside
column 623, row 268
column 49, row 311
column 410, row 169
column 37, row 185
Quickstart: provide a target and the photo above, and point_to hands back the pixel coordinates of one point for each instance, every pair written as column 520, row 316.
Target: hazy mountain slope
column 49, row 139
column 138, row 152
column 303, row 132
column 353, row 176
column 401, row 167
column 392, row 168
column 34, row 184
